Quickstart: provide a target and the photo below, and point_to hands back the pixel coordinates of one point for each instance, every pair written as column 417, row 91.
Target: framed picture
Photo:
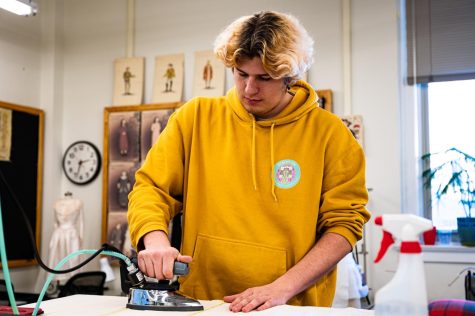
column 128, row 80
column 21, row 180
column 129, row 133
column 168, row 78
column 208, row 76
column 355, row 124
column 325, row 99
column 153, row 122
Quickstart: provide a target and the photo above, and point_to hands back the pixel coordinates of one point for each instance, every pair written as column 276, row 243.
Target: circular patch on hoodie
column 286, row 174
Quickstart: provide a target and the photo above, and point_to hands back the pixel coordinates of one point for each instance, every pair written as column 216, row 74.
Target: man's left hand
column 258, row 298
column 324, row 255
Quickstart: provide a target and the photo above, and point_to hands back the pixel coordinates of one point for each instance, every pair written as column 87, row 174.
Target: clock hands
column 80, row 163
column 79, row 167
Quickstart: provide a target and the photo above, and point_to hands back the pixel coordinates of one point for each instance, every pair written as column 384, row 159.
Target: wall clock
column 81, row 162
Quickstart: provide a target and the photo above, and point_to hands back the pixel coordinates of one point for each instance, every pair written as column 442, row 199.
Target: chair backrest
column 3, row 286
column 91, row 282
column 4, row 299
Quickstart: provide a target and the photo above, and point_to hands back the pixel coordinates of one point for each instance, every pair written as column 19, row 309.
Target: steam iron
column 150, row 294
column 157, row 300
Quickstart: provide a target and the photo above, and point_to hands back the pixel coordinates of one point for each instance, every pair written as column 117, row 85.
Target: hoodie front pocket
column 225, row 266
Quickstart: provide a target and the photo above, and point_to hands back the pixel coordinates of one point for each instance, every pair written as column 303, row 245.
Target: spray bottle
column 406, row 293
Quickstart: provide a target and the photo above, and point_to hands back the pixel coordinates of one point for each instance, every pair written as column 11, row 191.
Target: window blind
column 440, row 40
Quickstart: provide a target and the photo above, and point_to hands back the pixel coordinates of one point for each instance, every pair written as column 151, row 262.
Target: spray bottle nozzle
column 404, row 227
column 387, row 240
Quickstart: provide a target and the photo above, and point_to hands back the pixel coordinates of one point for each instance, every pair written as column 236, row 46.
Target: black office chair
column 20, row 297
column 84, row 283
column 3, row 293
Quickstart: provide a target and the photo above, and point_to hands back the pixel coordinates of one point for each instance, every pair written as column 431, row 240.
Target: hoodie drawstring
column 272, row 159
column 253, row 157
column 253, row 154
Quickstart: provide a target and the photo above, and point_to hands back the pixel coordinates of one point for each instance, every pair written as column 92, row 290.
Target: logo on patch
column 286, row 174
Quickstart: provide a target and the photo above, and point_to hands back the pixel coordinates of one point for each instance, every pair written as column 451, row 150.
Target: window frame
column 424, row 137
column 414, row 139
column 425, row 147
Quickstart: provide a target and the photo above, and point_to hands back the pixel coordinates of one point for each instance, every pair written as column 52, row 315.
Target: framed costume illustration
column 168, row 78
column 129, row 133
column 128, row 80
column 355, row 124
column 209, row 75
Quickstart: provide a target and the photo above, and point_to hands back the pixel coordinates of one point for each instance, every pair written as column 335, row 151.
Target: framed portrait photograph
column 152, row 125
column 129, row 132
column 121, row 181
column 128, row 81
column 124, row 129
column 168, row 78
column 117, row 230
column 208, row 75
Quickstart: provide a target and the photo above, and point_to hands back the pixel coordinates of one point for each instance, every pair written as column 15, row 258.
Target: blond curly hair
column 278, row 39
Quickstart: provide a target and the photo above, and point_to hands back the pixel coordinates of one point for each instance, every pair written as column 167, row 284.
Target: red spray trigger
column 385, row 243
column 378, row 220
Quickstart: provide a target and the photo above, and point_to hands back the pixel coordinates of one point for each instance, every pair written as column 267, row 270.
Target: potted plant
column 456, row 172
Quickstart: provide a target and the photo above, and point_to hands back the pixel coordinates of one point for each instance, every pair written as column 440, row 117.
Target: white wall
column 20, row 52
column 69, row 73
column 20, row 74
column 375, row 96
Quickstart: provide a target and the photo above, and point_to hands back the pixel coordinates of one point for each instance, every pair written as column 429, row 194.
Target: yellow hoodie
column 256, row 195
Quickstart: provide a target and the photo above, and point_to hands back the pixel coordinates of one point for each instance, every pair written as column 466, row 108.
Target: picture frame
column 21, row 182
column 128, row 81
column 325, row 99
column 354, row 123
column 129, row 133
column 168, row 78
column 208, row 75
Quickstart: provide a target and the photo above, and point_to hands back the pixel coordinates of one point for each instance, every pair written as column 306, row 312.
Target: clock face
column 81, row 162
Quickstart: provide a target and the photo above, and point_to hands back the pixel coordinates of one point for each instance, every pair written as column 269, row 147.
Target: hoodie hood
column 304, row 100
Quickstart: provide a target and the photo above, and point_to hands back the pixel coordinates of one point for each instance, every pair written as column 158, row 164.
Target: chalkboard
column 21, row 180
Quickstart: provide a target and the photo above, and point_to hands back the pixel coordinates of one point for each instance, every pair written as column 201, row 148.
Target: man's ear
column 287, row 81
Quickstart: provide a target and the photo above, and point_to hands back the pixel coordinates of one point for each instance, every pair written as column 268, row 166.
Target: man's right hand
column 158, row 257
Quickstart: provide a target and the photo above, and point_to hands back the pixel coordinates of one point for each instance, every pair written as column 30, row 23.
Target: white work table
column 92, row 305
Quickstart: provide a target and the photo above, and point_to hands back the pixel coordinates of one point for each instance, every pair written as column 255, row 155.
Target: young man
column 272, row 187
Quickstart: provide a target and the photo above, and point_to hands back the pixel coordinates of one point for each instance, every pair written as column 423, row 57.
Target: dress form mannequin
column 68, row 233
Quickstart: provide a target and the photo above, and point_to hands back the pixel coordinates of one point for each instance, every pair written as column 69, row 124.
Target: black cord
column 32, row 238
